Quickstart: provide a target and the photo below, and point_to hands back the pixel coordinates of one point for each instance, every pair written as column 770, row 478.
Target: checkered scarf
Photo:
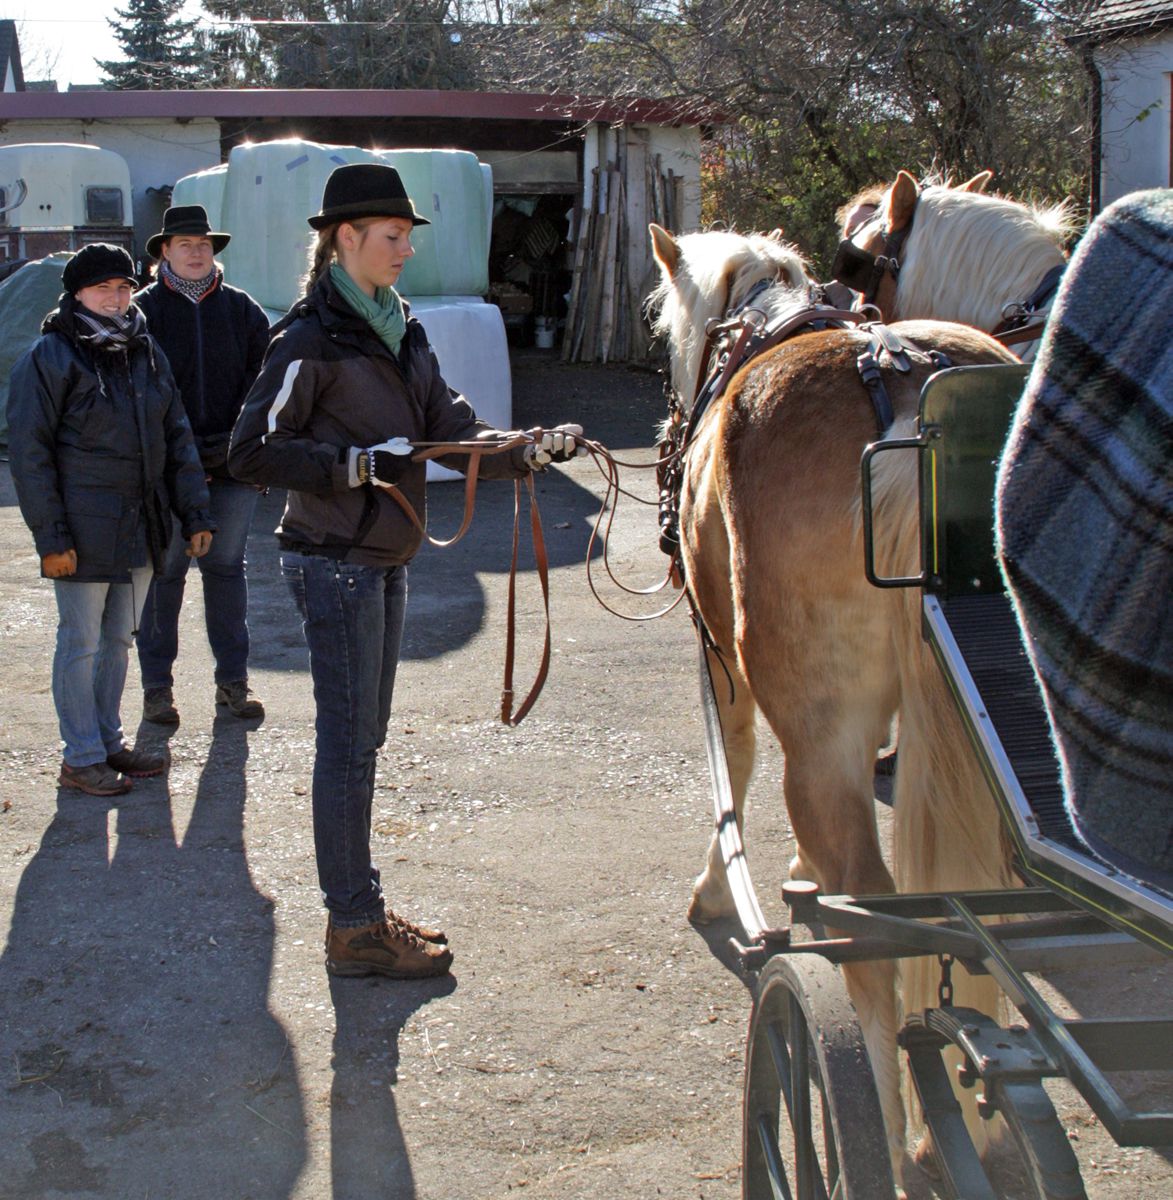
column 111, row 333
column 194, row 289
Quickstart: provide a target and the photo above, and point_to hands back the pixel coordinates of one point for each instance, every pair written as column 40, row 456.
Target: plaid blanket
column 1085, row 532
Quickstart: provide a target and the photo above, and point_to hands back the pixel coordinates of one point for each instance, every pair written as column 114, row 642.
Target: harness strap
column 1018, row 323
column 868, row 365
column 887, row 346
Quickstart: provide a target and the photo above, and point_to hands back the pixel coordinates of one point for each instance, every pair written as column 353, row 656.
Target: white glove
column 560, row 444
column 386, row 463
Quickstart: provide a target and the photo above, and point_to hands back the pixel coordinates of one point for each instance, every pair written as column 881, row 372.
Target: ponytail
column 325, row 250
column 321, row 255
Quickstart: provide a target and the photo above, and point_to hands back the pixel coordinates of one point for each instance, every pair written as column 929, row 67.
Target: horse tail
column 948, row 834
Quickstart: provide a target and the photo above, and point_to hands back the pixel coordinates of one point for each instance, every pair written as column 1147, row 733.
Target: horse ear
column 775, row 235
column 978, row 183
column 901, row 201
column 664, row 247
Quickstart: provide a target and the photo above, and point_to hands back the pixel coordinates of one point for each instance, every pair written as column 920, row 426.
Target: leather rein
column 476, row 450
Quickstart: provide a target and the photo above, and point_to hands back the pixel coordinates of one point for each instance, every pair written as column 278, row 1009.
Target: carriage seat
column 974, row 632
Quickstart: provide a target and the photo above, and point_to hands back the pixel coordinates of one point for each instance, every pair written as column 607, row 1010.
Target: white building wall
column 1137, row 77
column 679, row 149
column 158, row 152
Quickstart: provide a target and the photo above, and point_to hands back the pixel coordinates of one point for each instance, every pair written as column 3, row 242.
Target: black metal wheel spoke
column 813, row 1129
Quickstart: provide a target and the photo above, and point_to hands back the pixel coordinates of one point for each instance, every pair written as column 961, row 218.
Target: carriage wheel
column 1041, row 1140
column 1013, row 1089
column 812, row 1127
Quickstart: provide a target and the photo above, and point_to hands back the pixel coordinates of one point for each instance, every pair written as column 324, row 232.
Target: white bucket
column 544, row 333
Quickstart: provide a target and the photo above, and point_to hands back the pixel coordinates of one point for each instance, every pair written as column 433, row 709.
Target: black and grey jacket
column 329, row 384
column 215, row 349
column 101, row 450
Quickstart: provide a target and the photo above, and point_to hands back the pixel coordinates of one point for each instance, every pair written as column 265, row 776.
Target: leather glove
column 199, row 544
column 385, row 464
column 560, row 444
column 58, row 566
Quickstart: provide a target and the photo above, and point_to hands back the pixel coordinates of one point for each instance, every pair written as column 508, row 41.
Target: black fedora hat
column 365, row 190
column 187, row 220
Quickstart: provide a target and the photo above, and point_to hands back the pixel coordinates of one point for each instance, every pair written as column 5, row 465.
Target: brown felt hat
column 365, row 190
column 187, row 220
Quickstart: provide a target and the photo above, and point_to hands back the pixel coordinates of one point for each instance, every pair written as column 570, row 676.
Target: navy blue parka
column 101, row 451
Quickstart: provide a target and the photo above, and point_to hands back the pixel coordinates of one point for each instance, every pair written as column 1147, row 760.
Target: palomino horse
column 770, row 531
column 953, row 254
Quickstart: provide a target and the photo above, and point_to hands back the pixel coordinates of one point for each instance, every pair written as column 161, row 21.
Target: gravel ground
column 167, row 1030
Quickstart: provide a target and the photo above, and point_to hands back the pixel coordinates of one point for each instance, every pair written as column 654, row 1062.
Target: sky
column 72, row 32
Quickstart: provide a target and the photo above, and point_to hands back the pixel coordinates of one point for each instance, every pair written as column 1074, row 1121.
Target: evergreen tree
column 160, row 49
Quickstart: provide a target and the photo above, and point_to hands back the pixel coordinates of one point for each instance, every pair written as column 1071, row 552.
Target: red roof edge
column 238, row 103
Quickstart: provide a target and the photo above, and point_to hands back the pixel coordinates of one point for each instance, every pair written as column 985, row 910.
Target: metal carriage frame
column 812, row 1128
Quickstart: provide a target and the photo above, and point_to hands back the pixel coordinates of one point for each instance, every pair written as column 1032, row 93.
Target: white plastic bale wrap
column 206, row 188
column 272, row 187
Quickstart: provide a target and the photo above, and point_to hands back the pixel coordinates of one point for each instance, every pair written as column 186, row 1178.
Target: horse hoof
column 704, row 912
column 925, row 1157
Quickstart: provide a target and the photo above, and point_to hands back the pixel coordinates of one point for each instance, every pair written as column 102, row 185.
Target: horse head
column 706, row 275
column 949, row 253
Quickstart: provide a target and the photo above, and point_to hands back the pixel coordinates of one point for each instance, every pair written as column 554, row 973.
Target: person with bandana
column 215, row 337
column 349, row 382
column 102, row 456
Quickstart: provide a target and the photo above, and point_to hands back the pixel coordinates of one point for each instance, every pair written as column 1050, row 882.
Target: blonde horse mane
column 711, row 273
column 968, row 253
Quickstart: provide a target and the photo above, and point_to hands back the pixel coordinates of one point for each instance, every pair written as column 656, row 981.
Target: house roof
column 249, row 103
column 1109, row 19
column 10, row 52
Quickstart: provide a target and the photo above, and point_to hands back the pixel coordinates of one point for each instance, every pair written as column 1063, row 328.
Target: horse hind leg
column 712, row 899
column 829, row 797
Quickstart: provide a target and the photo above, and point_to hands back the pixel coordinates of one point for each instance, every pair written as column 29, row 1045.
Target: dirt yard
column 167, row 1029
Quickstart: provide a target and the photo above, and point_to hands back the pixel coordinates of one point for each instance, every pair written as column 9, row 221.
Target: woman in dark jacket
column 350, row 369
column 101, row 455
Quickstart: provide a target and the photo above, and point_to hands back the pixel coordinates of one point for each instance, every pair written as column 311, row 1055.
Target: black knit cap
column 365, row 190
column 187, row 220
column 96, row 263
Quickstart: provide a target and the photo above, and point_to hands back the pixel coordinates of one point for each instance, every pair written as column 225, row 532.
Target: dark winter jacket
column 100, row 447
column 329, row 384
column 215, row 349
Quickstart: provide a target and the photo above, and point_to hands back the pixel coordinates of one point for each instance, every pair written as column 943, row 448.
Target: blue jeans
column 225, row 592
column 353, row 623
column 94, row 630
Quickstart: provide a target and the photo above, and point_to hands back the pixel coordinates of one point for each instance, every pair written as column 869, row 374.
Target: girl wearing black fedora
column 348, row 382
column 215, row 338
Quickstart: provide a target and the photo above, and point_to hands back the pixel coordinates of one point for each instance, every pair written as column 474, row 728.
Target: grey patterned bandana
column 194, row 289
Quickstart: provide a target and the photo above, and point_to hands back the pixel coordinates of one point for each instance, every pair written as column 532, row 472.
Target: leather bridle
column 863, row 271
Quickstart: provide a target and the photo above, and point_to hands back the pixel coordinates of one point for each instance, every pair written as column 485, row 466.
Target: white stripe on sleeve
column 282, row 397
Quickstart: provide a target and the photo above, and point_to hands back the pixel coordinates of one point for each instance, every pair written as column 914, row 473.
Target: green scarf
column 384, row 314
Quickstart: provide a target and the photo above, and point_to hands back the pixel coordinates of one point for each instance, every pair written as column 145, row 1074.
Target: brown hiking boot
column 159, row 706
column 97, row 779
column 383, row 949
column 139, row 764
column 239, row 700
column 436, row 936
